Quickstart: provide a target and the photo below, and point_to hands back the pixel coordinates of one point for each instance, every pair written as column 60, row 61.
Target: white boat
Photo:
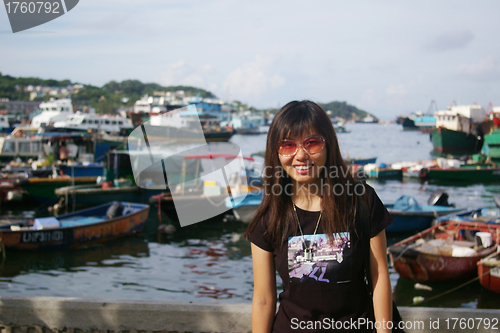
column 59, row 113
column 95, row 122
column 53, row 111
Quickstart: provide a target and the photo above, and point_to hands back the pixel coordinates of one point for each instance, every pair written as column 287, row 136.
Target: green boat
column 466, row 172
column 455, row 142
column 43, row 189
column 491, row 146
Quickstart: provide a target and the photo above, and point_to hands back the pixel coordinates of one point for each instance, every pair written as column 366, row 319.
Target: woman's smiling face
column 305, row 165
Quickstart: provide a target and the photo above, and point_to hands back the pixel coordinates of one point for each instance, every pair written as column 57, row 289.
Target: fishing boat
column 382, row 171
column 409, row 215
column 465, row 172
column 459, row 129
column 408, row 123
column 488, row 270
column 84, row 227
column 43, row 189
column 94, row 194
column 425, row 123
column 445, row 251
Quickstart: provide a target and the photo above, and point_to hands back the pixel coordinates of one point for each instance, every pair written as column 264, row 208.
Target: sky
column 388, row 58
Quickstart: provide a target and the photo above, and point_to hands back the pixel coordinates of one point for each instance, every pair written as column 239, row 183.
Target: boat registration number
column 44, row 236
column 495, row 271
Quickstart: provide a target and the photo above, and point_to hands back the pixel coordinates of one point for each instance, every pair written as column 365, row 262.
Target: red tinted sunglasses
column 311, row 145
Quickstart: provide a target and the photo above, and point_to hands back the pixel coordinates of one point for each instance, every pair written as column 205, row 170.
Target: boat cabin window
column 24, row 147
column 36, row 147
column 113, row 122
column 54, row 109
column 106, row 122
column 120, row 122
column 9, row 147
column 84, row 121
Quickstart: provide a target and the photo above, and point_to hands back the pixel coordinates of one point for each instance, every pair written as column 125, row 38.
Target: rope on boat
column 407, row 247
column 453, row 289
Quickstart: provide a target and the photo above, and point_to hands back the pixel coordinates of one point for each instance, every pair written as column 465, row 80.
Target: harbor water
column 210, row 261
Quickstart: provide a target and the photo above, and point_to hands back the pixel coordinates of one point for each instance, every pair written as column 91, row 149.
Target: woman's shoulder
column 257, row 233
column 368, row 191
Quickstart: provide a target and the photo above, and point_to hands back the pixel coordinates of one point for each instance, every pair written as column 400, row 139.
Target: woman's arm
column 264, row 290
column 382, row 294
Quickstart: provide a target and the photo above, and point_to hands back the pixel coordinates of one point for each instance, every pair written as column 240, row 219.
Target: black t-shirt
column 323, row 281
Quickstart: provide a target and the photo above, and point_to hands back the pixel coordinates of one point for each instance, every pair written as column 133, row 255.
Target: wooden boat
column 409, row 215
column 488, row 270
column 443, row 252
column 83, row 227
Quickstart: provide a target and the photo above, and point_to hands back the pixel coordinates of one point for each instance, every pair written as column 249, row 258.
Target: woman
column 305, row 229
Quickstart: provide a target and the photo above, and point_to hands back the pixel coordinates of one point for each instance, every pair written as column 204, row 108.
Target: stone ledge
column 76, row 315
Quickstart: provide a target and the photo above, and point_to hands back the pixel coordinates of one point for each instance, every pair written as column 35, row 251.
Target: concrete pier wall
column 75, row 315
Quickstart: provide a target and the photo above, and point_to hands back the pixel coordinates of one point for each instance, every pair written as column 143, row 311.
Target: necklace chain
column 300, row 228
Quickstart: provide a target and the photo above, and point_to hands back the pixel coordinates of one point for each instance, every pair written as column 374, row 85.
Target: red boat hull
column 429, row 268
column 489, row 276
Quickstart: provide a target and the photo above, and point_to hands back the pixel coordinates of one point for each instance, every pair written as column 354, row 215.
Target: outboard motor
column 439, row 198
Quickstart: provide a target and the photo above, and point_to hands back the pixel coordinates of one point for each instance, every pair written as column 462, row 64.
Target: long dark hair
column 293, row 120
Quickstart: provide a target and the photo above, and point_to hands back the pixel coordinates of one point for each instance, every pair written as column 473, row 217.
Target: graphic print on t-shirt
column 316, row 258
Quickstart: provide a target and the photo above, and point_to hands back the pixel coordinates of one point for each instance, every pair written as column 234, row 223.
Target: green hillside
column 105, row 99
column 344, row 110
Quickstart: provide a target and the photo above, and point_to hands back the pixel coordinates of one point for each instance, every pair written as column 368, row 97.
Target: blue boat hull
column 409, row 223
column 417, row 220
column 83, row 170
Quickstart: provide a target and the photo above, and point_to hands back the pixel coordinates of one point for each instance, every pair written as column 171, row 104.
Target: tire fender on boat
column 423, row 173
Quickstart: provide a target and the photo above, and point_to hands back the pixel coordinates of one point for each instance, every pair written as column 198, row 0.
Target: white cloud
column 253, row 80
column 181, row 73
